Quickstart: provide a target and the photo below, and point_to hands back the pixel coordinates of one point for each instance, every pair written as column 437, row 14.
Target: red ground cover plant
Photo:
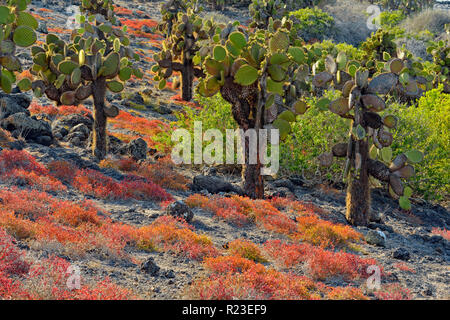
column 306, row 227
column 135, row 26
column 76, row 226
column 170, row 234
column 442, row 232
column 11, row 258
column 224, row 264
column 257, row 282
column 393, row 291
column 47, row 278
column 18, row 167
column 95, row 183
column 234, row 277
column 162, row 172
column 346, row 293
column 246, row 249
column 63, row 170
column 139, row 127
column 321, row 264
column 404, row 267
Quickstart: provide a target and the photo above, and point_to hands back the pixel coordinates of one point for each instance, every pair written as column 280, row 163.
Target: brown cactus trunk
column 358, row 192
column 243, row 101
column 187, row 79
column 251, row 175
column 99, row 142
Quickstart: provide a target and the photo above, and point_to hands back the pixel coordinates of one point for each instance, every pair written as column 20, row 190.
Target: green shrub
column 214, row 113
column 427, row 128
column 312, row 23
column 312, row 134
column 391, row 18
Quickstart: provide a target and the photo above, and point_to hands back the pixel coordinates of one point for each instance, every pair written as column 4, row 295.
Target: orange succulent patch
column 99, row 185
column 169, row 234
column 59, row 111
column 307, row 225
column 20, row 168
column 442, row 232
column 246, row 249
column 139, row 127
column 48, row 278
column 321, row 263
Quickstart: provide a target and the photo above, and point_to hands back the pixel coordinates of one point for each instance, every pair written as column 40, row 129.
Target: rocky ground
column 396, row 237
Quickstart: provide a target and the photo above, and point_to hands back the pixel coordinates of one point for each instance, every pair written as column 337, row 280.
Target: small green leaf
column 407, row 192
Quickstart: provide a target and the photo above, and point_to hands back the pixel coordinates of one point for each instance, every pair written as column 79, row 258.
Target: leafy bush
column 313, row 133
column 391, row 18
column 214, row 113
column 312, row 23
column 427, row 127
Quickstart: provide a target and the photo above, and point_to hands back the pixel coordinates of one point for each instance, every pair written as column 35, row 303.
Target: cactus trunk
column 358, row 192
column 187, row 78
column 99, row 143
column 243, row 100
column 251, row 175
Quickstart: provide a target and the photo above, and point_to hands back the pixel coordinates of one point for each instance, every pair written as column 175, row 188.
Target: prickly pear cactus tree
column 257, row 74
column 407, row 6
column 96, row 60
column 217, row 4
column 102, row 7
column 17, row 29
column 169, row 11
column 262, row 11
column 441, row 57
column 367, row 152
column 179, row 50
column 377, row 46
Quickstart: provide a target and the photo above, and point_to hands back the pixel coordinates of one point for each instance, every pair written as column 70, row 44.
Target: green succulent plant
column 179, row 51
column 170, row 10
column 368, row 152
column 441, row 57
column 17, row 29
column 262, row 75
column 262, row 11
column 311, row 23
column 97, row 59
column 376, row 47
